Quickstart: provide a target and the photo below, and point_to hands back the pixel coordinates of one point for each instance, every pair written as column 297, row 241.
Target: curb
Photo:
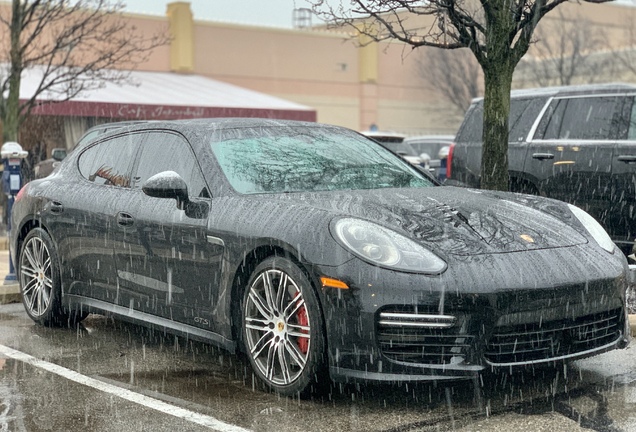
column 11, row 294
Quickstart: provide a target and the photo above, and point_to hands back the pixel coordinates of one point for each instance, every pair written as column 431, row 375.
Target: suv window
column 631, row 134
column 523, row 112
column 587, row 118
column 473, row 124
column 109, row 162
column 165, row 151
column 627, row 123
column 531, row 108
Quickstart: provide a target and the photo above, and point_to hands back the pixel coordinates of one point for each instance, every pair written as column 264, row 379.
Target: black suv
column 576, row 144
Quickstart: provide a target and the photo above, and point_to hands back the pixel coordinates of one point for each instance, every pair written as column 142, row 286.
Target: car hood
column 457, row 221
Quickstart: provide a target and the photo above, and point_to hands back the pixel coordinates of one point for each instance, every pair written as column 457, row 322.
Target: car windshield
column 306, row 159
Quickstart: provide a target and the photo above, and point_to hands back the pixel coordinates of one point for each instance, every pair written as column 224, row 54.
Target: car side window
column 523, row 112
column 165, row 151
column 627, row 122
column 586, row 118
column 471, row 129
column 109, row 162
column 550, row 123
column 529, row 109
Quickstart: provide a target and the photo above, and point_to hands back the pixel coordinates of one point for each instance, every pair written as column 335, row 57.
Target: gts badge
column 203, row 321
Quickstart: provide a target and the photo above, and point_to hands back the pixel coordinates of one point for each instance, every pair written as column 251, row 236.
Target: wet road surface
column 108, row 375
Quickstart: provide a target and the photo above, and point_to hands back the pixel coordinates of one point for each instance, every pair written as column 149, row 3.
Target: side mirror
column 167, row 184
column 58, row 154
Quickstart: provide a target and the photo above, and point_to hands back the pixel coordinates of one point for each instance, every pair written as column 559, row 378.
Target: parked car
column 316, row 252
column 575, row 144
column 46, row 167
column 433, row 152
column 395, row 142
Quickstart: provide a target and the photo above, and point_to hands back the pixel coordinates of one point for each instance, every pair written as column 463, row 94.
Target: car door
column 170, row 265
column 93, row 225
column 571, row 151
column 621, row 223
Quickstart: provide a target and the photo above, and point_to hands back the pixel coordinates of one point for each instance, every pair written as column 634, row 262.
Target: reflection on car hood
column 455, row 220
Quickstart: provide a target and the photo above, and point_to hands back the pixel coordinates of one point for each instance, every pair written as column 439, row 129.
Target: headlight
column 385, row 248
column 595, row 229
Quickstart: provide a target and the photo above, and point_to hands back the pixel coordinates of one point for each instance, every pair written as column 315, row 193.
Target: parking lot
column 109, row 375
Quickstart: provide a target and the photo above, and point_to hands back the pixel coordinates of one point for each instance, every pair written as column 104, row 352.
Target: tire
column 282, row 328
column 39, row 276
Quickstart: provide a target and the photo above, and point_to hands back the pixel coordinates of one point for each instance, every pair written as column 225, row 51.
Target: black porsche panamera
column 316, row 252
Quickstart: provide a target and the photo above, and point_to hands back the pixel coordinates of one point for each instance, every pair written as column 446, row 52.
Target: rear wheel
column 39, row 276
column 282, row 327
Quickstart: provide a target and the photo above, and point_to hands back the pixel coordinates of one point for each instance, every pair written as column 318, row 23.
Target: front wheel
column 282, row 328
column 39, row 277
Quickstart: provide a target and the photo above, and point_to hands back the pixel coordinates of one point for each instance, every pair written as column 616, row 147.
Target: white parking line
column 128, row 395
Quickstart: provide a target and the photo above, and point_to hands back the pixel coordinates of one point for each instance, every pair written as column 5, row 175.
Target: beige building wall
column 347, row 84
column 313, row 68
column 407, row 102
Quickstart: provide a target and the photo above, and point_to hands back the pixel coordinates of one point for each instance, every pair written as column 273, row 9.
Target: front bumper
column 503, row 319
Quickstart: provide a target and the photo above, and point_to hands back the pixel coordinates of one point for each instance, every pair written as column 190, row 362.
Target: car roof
column 584, row 89
column 114, row 125
column 194, row 126
column 429, row 138
column 222, row 123
column 384, row 134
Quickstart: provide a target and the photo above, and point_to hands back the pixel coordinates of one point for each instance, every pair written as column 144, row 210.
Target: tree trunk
column 11, row 112
column 494, row 158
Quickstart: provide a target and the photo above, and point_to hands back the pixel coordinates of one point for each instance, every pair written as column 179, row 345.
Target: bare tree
column 497, row 32
column 73, row 46
column 626, row 54
column 454, row 75
column 565, row 51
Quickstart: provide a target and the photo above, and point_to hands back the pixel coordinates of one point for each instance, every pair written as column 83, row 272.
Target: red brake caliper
column 303, row 342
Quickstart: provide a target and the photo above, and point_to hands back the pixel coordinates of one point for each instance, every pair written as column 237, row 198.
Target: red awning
column 165, row 96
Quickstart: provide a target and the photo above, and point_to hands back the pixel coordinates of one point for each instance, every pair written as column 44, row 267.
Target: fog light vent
column 417, row 320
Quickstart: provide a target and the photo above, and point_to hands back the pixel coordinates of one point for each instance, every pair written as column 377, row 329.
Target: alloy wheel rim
column 277, row 327
column 35, row 276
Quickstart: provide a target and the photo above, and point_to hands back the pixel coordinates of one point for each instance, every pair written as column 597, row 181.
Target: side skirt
column 154, row 321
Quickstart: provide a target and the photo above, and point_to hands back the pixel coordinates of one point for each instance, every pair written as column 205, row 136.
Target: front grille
column 411, row 337
column 535, row 342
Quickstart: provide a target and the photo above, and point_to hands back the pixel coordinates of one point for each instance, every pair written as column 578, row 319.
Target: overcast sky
column 258, row 12
column 276, row 13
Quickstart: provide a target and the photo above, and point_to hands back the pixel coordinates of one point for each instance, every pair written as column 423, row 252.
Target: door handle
column 124, row 219
column 56, row 207
column 627, row 158
column 542, row 156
